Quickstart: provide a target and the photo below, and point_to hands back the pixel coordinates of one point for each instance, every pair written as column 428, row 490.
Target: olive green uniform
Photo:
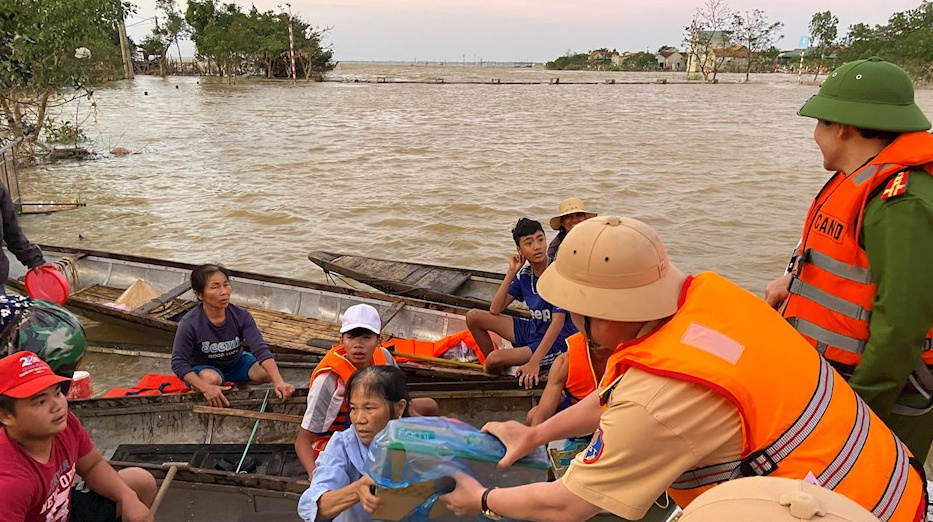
column 898, row 237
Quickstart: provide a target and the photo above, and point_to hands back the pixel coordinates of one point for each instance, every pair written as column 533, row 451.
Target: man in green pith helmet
column 860, row 286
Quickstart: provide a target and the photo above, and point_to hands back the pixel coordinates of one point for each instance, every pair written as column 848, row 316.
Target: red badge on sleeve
column 896, row 186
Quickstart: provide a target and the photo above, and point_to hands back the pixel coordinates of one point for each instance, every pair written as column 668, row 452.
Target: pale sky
column 525, row 30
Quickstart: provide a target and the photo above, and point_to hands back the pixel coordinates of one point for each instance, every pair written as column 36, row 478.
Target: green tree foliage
column 756, row 33
column 569, row 62
column 40, row 66
column 824, row 27
column 255, row 42
column 907, row 40
column 641, row 61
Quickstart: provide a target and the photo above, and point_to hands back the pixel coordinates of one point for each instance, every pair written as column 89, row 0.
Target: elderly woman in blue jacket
column 340, row 485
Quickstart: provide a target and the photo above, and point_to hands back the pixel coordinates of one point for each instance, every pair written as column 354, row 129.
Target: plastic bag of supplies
column 412, row 459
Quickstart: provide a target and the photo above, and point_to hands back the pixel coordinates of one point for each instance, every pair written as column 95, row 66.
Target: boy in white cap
column 328, row 412
column 360, row 346
column 43, row 446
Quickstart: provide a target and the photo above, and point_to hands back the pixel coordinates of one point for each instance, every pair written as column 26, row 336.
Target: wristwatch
column 488, row 513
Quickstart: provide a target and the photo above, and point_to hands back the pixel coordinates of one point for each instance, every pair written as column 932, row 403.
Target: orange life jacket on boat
column 729, row 340
column 581, row 376
column 336, row 361
column 434, row 348
column 832, row 290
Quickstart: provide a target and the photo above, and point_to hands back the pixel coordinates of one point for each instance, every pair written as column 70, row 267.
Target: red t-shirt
column 34, row 492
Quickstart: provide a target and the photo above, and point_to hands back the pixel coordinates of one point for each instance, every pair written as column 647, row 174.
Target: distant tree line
column 233, row 42
column 605, row 60
column 906, row 39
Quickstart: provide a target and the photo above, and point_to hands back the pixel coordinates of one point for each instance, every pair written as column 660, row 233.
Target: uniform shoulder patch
column 896, row 187
column 595, row 450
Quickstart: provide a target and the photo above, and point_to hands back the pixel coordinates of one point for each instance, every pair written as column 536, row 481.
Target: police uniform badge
column 896, row 187
column 596, row 448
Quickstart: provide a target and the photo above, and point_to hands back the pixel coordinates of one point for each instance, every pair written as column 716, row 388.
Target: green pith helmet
column 54, row 334
column 868, row 94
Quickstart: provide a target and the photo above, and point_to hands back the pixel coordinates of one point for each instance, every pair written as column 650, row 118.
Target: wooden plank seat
column 101, row 295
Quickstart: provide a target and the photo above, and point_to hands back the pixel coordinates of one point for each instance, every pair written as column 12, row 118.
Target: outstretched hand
column 364, row 491
column 518, row 439
column 466, row 498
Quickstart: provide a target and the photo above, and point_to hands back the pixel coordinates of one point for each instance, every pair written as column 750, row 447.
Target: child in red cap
column 43, row 446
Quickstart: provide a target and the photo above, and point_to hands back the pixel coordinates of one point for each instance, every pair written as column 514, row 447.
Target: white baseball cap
column 361, row 316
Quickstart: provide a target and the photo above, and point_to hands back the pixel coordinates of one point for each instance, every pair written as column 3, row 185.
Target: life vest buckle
column 757, row 464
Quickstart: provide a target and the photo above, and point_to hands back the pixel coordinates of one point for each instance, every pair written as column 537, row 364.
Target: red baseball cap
column 24, row 374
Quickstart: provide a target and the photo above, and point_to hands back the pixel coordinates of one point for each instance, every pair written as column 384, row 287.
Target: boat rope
column 262, row 409
column 69, row 266
column 332, row 276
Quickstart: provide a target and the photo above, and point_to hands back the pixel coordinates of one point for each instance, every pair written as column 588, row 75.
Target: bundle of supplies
column 413, row 459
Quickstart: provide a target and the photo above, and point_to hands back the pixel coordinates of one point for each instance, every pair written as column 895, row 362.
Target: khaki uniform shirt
column 653, row 429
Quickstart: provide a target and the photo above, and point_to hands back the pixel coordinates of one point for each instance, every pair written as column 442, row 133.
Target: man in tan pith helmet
column 707, row 384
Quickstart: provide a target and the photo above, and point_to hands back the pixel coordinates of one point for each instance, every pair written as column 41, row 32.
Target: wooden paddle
column 247, row 414
column 173, row 468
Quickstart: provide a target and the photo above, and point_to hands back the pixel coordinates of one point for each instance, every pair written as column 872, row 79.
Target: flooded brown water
column 255, row 175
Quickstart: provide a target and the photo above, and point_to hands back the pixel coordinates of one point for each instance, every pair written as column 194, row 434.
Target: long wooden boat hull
column 289, row 312
column 196, row 493
column 175, row 419
column 454, row 286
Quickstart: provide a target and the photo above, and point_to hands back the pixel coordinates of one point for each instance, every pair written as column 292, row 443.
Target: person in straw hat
column 696, row 393
column 572, row 211
column 772, row 499
column 859, row 286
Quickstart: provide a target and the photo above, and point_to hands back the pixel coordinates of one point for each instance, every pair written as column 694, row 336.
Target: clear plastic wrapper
column 415, row 456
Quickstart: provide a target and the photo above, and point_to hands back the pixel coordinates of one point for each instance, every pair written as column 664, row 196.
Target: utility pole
column 124, row 49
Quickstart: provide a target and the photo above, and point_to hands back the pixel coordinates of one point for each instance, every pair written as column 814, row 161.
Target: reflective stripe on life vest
column 765, row 461
column 832, row 290
column 731, row 342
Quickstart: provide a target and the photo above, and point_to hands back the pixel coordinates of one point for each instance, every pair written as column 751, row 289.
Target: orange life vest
column 729, row 340
column 832, row 289
column 434, row 348
column 336, row 361
column 581, row 376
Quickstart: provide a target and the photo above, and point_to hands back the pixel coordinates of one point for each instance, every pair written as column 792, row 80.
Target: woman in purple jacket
column 210, row 341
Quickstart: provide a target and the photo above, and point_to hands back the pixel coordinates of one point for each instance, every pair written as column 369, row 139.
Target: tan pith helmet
column 773, row 499
column 570, row 206
column 613, row 268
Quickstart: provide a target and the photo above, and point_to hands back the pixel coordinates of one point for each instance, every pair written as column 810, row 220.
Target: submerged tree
column 823, row 32
column 756, row 33
column 907, row 40
column 50, row 52
column 255, row 41
column 707, row 33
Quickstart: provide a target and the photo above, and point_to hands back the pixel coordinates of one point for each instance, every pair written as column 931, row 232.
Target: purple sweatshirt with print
column 198, row 341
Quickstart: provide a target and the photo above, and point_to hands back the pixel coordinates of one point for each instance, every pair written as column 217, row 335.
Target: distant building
column 707, row 42
column 670, row 59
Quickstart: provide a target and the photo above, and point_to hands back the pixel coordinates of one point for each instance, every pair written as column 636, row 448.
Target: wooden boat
column 185, row 418
column 455, row 286
column 174, row 428
column 289, row 312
